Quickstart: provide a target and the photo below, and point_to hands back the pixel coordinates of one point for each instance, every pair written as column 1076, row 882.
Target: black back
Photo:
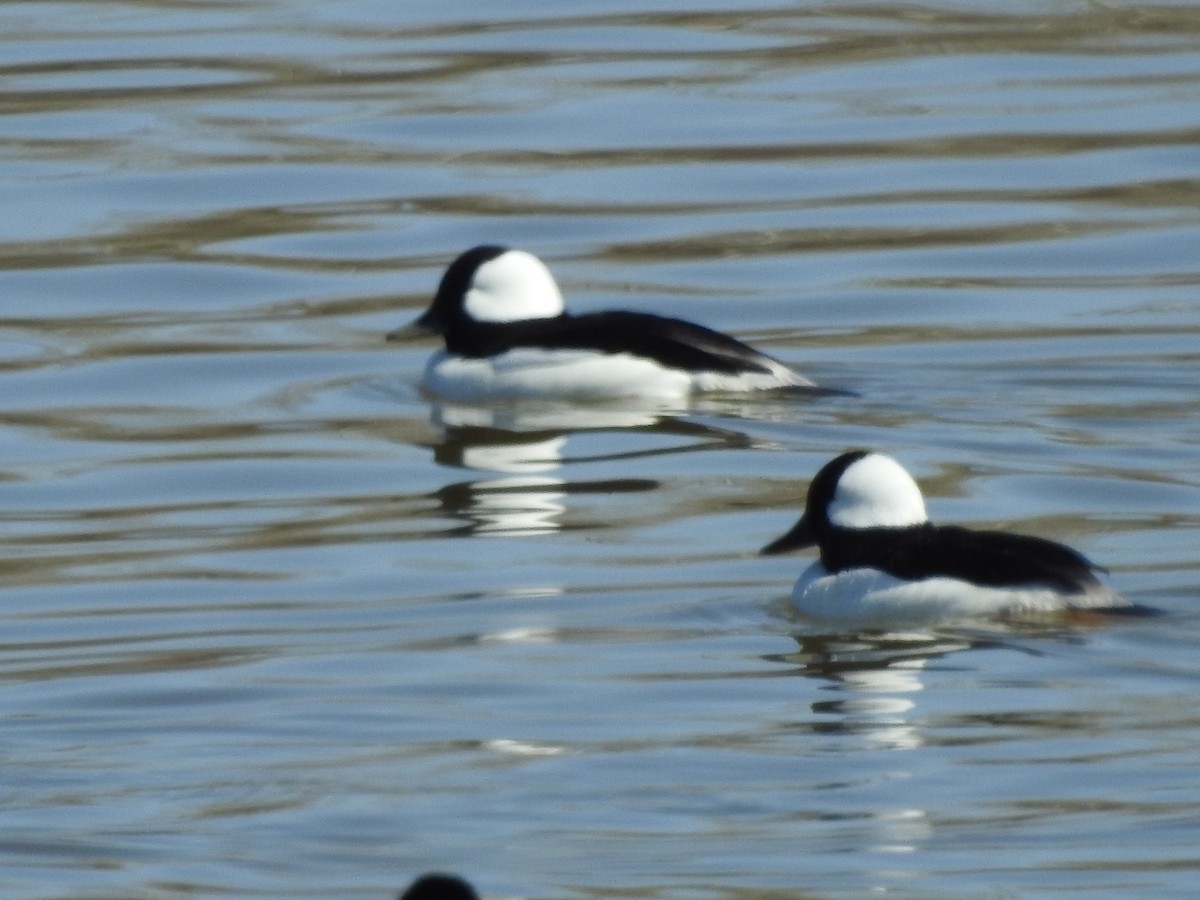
column 989, row 558
column 671, row 342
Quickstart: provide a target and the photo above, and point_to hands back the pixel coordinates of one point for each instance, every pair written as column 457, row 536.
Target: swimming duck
column 508, row 337
column 882, row 560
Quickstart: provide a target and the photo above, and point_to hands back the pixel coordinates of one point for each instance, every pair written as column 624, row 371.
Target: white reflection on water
column 523, row 502
column 877, row 679
column 241, row 661
column 533, row 417
column 875, row 711
column 523, row 748
column 517, row 505
column 526, row 444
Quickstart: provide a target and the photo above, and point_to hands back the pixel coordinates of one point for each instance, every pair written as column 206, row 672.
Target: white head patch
column 876, row 492
column 515, row 285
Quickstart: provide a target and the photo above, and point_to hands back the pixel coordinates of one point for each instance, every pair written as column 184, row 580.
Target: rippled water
column 276, row 627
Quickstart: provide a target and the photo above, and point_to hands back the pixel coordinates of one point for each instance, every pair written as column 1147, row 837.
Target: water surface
column 277, row 626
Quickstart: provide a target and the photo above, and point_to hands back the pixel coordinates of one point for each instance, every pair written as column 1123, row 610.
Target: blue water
column 277, row 626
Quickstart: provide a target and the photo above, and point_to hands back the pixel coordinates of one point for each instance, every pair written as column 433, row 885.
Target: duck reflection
column 533, row 418
column 523, row 501
column 874, row 683
column 876, row 677
column 524, row 448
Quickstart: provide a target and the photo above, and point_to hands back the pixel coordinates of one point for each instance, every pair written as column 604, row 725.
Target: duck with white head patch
column 509, row 337
column 883, row 562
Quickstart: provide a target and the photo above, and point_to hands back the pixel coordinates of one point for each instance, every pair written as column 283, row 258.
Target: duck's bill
column 425, row 326
column 799, row 537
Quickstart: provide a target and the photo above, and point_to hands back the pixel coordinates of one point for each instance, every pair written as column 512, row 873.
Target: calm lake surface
column 276, row 626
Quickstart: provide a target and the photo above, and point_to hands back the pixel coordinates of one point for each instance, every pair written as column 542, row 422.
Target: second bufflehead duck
column 437, row 886
column 509, row 337
column 883, row 561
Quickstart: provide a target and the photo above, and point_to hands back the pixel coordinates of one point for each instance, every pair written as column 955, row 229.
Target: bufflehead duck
column 509, row 337
column 436, row 886
column 882, row 560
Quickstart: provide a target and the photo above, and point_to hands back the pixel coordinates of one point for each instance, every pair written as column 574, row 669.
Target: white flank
column 531, row 374
column 538, row 373
column 870, row 597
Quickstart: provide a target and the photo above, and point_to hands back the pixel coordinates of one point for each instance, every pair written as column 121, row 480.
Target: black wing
column 671, row 342
column 990, row 558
